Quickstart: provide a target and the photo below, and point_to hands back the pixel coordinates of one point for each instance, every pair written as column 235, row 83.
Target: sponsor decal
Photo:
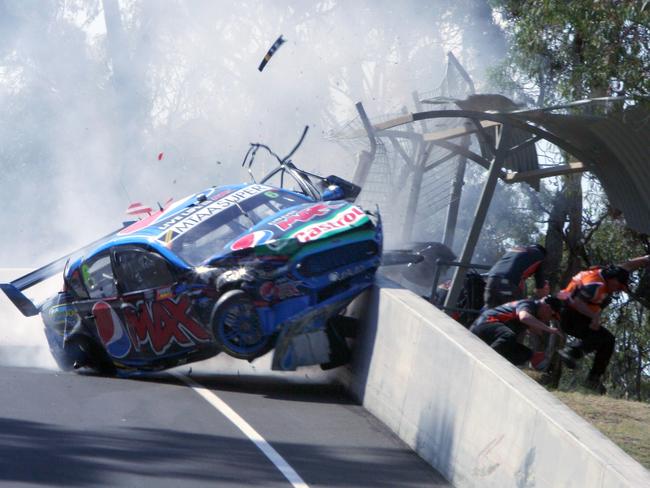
column 111, row 330
column 163, row 323
column 271, row 194
column 164, row 293
column 271, row 291
column 62, row 319
column 158, row 324
column 195, row 215
column 350, row 217
column 251, row 240
column 287, row 221
column 221, row 194
column 60, row 314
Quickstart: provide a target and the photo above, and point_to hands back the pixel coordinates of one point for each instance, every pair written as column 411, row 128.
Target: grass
column 625, row 422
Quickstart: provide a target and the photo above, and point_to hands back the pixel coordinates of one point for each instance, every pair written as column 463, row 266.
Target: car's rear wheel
column 237, row 327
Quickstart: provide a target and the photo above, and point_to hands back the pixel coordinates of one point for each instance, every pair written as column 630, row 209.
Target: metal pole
column 454, row 197
column 479, row 219
column 416, row 183
column 366, row 157
column 423, row 152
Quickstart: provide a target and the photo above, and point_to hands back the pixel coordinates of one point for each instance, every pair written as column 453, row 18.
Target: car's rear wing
column 14, row 290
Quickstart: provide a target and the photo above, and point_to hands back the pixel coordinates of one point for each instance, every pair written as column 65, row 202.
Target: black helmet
column 540, row 248
column 621, row 275
column 555, row 303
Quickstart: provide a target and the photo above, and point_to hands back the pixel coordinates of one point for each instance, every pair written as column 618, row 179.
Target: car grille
column 324, row 261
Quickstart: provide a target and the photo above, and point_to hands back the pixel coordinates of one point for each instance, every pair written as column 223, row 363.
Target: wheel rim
column 240, row 329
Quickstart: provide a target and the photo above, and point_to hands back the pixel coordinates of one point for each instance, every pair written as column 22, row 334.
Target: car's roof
column 168, row 230
column 152, row 230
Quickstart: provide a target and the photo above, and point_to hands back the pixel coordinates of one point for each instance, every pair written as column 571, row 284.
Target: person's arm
column 542, row 292
column 541, row 285
column 535, row 325
column 581, row 306
column 636, row 263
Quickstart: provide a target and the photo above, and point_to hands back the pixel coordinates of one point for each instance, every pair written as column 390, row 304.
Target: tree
column 564, row 51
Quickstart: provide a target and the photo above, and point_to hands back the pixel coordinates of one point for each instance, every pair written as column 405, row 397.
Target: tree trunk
column 555, row 239
column 130, row 61
column 573, row 196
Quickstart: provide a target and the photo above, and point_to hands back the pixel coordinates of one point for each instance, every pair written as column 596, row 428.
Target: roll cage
column 331, row 187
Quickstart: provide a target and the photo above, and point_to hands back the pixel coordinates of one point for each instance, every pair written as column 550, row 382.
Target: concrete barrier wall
column 467, row 411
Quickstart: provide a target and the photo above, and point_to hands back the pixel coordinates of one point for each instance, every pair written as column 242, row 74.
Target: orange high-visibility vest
column 591, row 287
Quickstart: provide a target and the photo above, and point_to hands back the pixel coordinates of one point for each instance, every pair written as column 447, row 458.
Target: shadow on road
column 269, row 387
column 45, row 454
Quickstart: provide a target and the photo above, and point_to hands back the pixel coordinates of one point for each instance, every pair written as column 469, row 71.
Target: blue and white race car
column 241, row 269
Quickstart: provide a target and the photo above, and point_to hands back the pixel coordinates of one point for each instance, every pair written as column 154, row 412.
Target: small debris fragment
column 278, row 42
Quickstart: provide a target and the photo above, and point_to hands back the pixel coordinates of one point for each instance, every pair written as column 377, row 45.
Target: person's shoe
column 568, row 358
column 538, row 361
column 595, row 385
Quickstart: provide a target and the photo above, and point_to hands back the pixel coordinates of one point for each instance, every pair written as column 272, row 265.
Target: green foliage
column 571, row 50
column 563, row 51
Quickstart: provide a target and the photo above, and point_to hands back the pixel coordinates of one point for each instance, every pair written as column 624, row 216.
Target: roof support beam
column 454, row 197
column 466, row 153
column 565, row 169
column 479, row 218
column 438, row 162
column 457, row 131
column 365, row 158
column 423, row 151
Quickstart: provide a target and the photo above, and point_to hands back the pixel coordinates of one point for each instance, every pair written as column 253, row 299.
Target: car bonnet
column 303, row 223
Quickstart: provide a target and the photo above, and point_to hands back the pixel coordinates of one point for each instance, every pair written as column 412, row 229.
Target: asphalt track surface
column 67, row 429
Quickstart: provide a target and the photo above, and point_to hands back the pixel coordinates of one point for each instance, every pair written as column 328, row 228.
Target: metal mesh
column 390, row 180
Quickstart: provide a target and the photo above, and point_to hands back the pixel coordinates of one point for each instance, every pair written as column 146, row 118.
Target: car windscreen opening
column 205, row 239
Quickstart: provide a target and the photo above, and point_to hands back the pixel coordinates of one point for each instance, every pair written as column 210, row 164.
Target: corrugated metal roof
column 524, row 159
column 615, row 146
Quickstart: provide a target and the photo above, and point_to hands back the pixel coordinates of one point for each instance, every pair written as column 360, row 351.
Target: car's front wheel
column 237, row 327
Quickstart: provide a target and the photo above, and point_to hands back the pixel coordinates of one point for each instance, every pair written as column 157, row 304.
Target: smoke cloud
column 108, row 102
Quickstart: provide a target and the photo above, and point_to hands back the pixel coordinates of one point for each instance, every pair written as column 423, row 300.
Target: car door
column 102, row 304
column 156, row 311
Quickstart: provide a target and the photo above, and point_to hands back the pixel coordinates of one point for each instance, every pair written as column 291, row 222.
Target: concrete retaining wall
column 467, row 411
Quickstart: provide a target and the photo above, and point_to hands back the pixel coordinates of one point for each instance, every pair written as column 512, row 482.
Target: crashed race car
column 240, row 269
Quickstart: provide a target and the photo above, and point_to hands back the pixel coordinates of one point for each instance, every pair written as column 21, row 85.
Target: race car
column 240, row 269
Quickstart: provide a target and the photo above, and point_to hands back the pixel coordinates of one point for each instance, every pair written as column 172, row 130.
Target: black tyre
column 237, row 327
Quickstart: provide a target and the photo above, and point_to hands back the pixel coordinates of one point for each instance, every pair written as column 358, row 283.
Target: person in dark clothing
column 506, row 280
column 500, row 326
column 588, row 293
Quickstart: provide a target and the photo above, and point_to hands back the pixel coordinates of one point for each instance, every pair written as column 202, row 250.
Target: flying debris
column 278, row 42
column 160, row 156
column 137, row 208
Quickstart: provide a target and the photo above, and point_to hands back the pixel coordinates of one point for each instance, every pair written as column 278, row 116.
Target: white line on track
column 273, row 455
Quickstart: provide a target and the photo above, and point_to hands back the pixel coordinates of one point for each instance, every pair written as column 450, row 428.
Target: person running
column 588, row 293
column 507, row 278
column 499, row 327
